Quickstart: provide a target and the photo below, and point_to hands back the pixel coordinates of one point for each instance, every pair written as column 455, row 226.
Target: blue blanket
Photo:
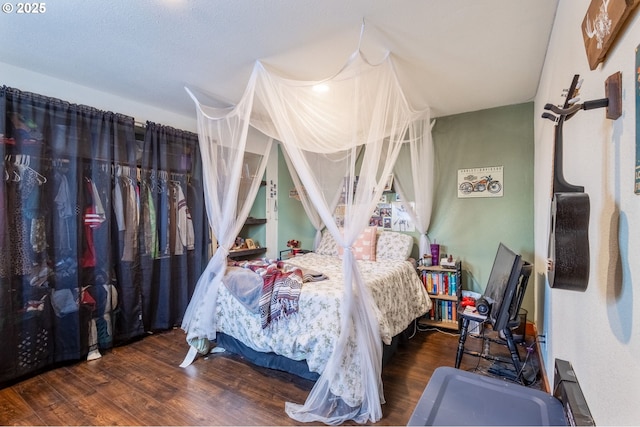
column 271, row 289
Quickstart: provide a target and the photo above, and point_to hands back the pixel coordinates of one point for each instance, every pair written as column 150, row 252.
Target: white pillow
column 393, row 246
column 328, row 245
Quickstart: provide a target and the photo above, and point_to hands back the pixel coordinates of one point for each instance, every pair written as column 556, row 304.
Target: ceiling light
column 321, row 88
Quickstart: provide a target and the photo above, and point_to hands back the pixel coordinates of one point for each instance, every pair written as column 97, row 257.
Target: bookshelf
column 444, row 286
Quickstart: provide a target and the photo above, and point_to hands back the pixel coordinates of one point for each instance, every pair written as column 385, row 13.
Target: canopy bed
column 310, row 334
column 342, row 135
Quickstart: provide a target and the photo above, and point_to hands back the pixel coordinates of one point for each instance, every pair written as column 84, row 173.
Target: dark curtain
column 75, row 274
column 173, row 245
column 60, row 294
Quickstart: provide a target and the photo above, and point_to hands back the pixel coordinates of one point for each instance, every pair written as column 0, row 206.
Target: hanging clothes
column 4, row 214
column 63, row 213
column 185, row 238
column 128, row 270
column 168, row 272
column 94, row 217
column 130, row 204
column 148, row 212
column 21, row 214
column 164, row 219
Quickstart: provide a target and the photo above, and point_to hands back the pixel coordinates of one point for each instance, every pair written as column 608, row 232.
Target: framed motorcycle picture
column 480, row 182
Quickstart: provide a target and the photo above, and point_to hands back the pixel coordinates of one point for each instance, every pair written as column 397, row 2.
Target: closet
column 99, row 243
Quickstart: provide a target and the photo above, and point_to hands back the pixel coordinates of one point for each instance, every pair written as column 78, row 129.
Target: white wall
column 598, row 330
column 29, row 81
column 271, row 194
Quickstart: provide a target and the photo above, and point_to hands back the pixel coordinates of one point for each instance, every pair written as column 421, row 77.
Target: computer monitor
column 502, row 286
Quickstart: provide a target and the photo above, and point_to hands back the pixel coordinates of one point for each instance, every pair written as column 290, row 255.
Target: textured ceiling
column 454, row 55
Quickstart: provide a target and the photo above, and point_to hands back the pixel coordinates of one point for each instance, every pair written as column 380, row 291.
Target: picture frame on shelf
column 388, row 186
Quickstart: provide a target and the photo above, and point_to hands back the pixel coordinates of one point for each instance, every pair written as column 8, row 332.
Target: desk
column 455, row 397
column 524, row 374
column 292, row 252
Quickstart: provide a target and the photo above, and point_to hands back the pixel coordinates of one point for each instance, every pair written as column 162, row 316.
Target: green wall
column 292, row 220
column 472, row 228
column 258, row 210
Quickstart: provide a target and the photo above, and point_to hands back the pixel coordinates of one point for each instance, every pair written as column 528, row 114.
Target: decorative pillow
column 364, row 247
column 328, row 245
column 394, row 246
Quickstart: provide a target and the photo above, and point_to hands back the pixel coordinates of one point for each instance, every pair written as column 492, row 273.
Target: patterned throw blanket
column 281, row 285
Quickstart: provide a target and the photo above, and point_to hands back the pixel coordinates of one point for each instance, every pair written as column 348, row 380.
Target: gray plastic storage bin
column 456, row 397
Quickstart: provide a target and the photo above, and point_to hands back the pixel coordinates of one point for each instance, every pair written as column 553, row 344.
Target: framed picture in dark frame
column 388, row 185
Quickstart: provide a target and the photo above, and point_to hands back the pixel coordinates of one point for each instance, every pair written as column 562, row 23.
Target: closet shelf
column 254, row 221
column 241, row 253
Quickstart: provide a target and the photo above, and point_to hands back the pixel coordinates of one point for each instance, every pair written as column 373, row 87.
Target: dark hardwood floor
column 141, row 384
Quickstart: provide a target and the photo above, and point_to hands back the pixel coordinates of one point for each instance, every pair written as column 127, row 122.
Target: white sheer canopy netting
column 342, row 136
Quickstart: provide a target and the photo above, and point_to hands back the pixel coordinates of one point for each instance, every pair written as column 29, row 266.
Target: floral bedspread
column 311, row 333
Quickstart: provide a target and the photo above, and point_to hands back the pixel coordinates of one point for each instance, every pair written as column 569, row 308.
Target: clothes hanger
column 175, row 178
column 162, row 181
column 18, row 168
column 25, row 161
column 39, row 177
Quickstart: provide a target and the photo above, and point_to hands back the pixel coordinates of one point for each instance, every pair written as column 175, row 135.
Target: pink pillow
column 364, row 247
